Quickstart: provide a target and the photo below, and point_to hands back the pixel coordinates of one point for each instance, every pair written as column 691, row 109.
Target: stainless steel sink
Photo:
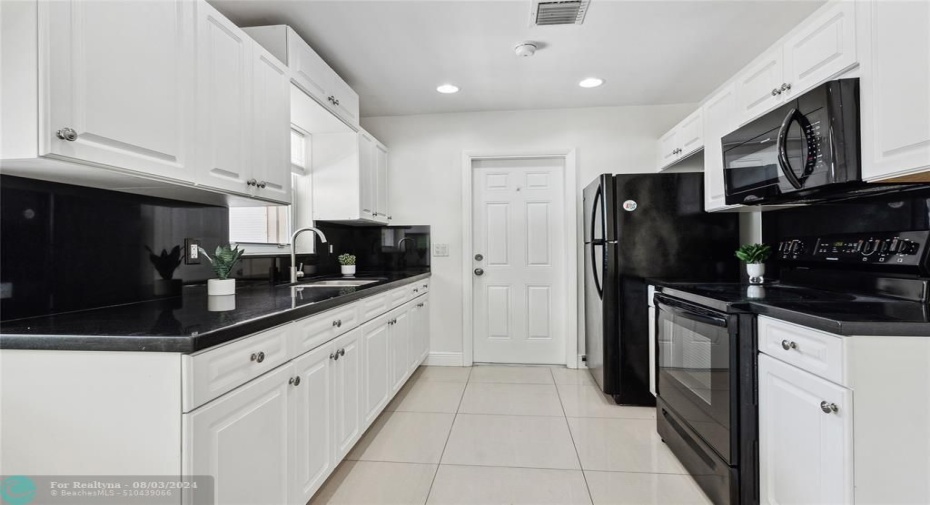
column 338, row 283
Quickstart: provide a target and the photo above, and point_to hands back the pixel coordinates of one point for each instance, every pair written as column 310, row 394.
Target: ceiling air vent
column 567, row 12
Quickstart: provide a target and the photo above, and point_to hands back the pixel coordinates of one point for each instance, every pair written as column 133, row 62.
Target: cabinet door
column 311, row 73
column 241, row 440
column 381, row 184
column 691, row 134
column 895, row 90
column 424, row 328
column 376, row 368
column 668, row 148
column 805, row 453
column 367, row 176
column 719, row 120
column 345, row 100
column 824, row 47
column 120, row 74
column 310, row 440
column 416, row 338
column 347, row 386
column 758, row 87
column 400, row 340
column 271, row 132
column 224, row 75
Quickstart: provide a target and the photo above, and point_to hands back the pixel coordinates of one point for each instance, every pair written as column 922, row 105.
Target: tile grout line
column 572, row 436
column 448, row 436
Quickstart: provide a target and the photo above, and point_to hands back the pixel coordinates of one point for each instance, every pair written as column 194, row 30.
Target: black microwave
column 803, row 151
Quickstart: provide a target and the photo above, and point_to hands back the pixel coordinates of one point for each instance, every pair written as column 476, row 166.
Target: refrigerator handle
column 597, row 201
column 597, row 275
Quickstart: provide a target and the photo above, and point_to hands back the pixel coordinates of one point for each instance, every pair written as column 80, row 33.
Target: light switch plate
column 440, row 250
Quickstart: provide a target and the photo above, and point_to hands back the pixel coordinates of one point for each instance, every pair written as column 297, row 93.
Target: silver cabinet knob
column 340, row 323
column 479, row 272
column 786, row 345
column 67, row 134
column 262, row 184
column 333, row 356
column 775, row 92
column 828, row 408
column 785, row 87
column 336, row 101
column 416, row 290
column 257, row 357
column 251, row 182
column 331, row 99
column 294, row 381
column 342, row 352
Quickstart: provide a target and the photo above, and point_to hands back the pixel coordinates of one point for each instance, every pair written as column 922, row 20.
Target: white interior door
column 519, row 282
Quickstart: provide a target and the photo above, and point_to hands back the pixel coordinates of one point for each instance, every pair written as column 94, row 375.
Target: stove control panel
column 891, row 250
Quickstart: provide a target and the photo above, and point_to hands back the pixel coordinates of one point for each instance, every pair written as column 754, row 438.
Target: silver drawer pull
column 828, row 408
column 294, row 381
column 786, row 345
column 335, row 324
column 342, row 352
column 258, row 357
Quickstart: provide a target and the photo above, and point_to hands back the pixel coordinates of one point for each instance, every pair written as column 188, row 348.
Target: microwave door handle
column 782, row 145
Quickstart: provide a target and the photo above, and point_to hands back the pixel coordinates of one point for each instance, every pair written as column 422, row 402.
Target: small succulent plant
column 753, row 253
column 166, row 263
column 346, row 259
column 224, row 259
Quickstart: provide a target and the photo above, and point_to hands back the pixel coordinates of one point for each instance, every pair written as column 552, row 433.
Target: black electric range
column 857, row 284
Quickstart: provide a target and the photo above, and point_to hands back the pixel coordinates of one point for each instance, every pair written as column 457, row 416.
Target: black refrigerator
column 639, row 228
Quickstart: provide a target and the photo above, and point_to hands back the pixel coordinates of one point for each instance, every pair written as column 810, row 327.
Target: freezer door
column 598, row 208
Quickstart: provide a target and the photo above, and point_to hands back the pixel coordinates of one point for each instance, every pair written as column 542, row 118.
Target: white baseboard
column 444, row 359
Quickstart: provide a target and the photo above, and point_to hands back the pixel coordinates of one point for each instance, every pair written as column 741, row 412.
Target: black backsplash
column 65, row 248
column 377, row 249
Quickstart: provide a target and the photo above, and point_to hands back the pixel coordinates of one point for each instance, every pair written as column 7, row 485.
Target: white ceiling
column 395, row 52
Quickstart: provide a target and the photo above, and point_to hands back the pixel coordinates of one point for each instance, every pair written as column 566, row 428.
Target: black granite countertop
column 830, row 311
column 185, row 324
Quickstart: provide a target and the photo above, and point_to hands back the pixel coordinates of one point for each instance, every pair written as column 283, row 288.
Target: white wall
column 425, row 166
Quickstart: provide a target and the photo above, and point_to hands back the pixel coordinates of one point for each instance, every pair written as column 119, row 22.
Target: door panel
column 377, row 367
column 310, row 448
column 271, row 112
column 129, row 102
column 519, row 301
column 347, row 382
column 400, row 342
column 824, row 48
column 754, row 86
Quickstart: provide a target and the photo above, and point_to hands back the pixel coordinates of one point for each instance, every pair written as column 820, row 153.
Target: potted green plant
column 754, row 256
column 347, row 262
column 165, row 264
column 223, row 261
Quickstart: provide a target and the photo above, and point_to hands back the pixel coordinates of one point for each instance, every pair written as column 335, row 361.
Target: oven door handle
column 688, row 312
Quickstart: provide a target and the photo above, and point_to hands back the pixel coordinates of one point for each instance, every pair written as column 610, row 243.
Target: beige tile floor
column 492, row 435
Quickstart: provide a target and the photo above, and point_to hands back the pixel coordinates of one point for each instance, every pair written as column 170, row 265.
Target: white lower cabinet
column 805, row 436
column 278, row 438
column 310, row 430
column 242, row 440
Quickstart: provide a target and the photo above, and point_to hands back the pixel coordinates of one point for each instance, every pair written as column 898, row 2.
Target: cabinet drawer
column 424, row 286
column 822, row 354
column 374, row 306
column 321, row 328
column 399, row 296
column 211, row 373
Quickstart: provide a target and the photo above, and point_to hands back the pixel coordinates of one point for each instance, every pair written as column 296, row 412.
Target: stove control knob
column 869, row 247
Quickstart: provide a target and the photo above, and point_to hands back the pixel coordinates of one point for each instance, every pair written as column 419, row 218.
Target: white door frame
column 570, row 245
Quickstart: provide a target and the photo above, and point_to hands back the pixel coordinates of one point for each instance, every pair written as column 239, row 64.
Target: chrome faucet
column 294, row 249
column 401, row 241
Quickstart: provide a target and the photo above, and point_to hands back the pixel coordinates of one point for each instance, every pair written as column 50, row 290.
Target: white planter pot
column 220, row 287
column 348, row 270
column 756, row 272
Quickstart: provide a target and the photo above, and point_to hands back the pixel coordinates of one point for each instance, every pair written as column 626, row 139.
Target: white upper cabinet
column 895, row 91
column 119, row 84
column 350, row 178
column 719, row 120
column 367, row 176
column 309, row 71
column 759, row 86
column 685, row 139
column 224, row 82
column 824, row 47
column 382, row 205
column 271, row 128
column 821, row 48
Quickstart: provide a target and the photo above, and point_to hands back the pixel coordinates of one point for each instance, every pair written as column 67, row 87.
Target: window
column 253, row 227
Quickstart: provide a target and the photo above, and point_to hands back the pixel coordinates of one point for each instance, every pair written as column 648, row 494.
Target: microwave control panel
column 891, row 249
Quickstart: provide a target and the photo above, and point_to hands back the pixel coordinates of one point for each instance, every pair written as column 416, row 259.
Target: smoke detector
column 525, row 49
column 558, row 12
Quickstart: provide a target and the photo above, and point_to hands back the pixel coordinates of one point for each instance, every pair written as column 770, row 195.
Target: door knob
column 479, row 271
column 479, row 257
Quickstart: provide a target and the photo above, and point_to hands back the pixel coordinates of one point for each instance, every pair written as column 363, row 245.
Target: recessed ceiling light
column 591, row 82
column 448, row 88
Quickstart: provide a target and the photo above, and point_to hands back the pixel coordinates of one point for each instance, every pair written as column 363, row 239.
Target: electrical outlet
column 191, row 251
column 440, row 250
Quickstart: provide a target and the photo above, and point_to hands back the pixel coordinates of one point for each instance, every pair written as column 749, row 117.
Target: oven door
column 696, row 369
